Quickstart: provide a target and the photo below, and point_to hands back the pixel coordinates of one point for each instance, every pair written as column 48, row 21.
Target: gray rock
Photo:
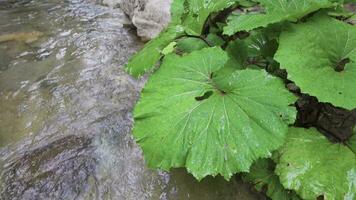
column 54, row 171
column 150, row 17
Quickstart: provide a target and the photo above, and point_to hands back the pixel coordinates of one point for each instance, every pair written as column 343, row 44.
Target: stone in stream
column 150, row 17
column 58, row 170
column 27, row 37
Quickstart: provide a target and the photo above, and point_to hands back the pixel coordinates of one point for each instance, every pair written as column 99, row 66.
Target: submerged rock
column 27, row 37
column 58, row 170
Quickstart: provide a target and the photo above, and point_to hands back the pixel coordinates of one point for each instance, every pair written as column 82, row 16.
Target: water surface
column 65, row 110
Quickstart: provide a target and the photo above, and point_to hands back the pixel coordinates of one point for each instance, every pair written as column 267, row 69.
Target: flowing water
column 65, row 110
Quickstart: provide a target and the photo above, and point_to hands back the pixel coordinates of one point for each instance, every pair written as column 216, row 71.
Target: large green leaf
column 313, row 167
column 312, row 51
column 275, row 11
column 262, row 176
column 186, row 118
column 199, row 11
column 148, row 57
column 177, row 11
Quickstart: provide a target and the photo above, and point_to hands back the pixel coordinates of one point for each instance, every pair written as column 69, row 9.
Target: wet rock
column 293, row 88
column 58, row 170
column 11, row 3
column 150, row 17
column 27, row 37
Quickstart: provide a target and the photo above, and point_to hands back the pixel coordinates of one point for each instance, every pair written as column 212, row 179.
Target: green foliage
column 210, row 126
column 190, row 44
column 217, row 101
column 148, row 57
column 340, row 11
column 262, row 176
column 177, row 11
column 215, row 40
column 200, row 10
column 323, row 61
column 352, row 143
column 169, row 48
column 313, row 167
column 275, row 11
column 192, row 19
column 259, row 46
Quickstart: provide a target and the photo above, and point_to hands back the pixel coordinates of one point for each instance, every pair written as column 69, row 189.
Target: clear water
column 65, row 110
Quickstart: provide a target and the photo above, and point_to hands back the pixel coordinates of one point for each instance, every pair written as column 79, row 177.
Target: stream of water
column 65, row 110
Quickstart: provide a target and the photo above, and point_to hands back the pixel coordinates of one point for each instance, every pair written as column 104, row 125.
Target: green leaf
column 258, row 45
column 275, row 11
column 237, row 51
column 169, row 48
column 246, row 3
column 339, row 11
column 313, row 167
column 200, row 10
column 215, row 40
column 187, row 118
column 262, row 176
column 324, row 45
column 352, row 20
column 344, row 1
column 254, row 49
column 352, row 142
column 190, row 44
column 148, row 57
column 177, row 11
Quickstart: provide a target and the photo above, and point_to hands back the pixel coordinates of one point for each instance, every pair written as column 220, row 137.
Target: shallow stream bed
column 65, row 110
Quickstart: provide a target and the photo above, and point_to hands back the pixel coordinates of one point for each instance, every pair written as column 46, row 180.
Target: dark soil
column 335, row 123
